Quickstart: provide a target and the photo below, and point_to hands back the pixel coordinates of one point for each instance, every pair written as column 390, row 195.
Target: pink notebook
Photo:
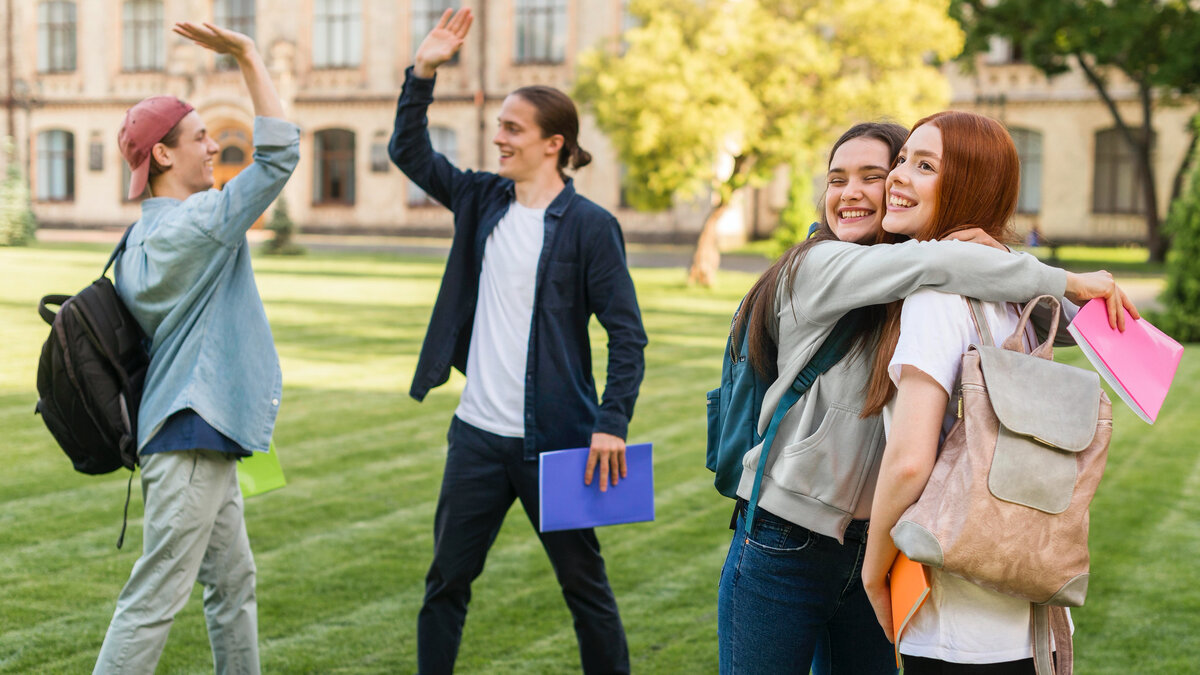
column 1138, row 364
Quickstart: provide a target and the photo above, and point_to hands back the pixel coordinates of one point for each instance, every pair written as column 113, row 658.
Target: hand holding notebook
column 1139, row 364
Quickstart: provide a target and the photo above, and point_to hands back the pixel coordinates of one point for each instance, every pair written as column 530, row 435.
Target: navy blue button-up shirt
column 581, row 271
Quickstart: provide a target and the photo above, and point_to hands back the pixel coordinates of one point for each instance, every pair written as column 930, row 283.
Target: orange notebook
column 909, row 582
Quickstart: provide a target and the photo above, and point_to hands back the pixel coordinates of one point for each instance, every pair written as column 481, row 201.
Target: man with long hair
column 531, row 262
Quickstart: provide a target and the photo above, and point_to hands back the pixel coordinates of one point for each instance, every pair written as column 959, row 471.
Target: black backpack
column 90, row 377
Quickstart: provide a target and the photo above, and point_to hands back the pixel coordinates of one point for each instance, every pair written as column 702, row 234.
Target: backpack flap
column 1048, row 412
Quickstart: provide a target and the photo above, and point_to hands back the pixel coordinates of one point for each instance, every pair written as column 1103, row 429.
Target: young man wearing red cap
column 213, row 387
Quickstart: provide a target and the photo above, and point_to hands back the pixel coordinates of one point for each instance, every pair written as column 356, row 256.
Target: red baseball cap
column 145, row 124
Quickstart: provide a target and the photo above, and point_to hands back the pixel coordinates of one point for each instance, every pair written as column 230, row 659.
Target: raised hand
column 219, row 40
column 443, row 42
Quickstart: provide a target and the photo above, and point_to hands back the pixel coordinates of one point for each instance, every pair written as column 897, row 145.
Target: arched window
column 1117, row 181
column 235, row 15
column 444, row 141
column 337, row 33
column 56, row 166
column 233, row 155
column 56, row 37
column 541, row 31
column 1029, row 150
column 333, row 180
column 142, row 37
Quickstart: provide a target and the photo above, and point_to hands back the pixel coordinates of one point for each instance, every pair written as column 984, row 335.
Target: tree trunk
column 707, row 258
column 1185, row 165
column 1155, row 241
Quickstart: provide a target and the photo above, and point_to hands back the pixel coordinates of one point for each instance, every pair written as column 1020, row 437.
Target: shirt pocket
column 560, row 285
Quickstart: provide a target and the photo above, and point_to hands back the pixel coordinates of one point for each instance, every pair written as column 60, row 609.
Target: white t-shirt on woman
column 960, row 622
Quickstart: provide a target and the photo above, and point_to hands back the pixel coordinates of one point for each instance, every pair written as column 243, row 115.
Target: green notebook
column 260, row 473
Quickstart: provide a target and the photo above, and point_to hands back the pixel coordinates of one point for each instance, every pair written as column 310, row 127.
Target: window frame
column 57, row 37
column 137, row 29
column 47, row 159
column 1113, row 162
column 528, row 45
column 326, row 163
column 237, row 15
column 329, row 18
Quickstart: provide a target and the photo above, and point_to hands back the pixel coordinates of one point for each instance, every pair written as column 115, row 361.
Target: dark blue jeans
column 484, row 474
column 787, row 591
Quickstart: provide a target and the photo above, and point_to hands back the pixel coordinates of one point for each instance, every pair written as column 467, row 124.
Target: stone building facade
column 72, row 67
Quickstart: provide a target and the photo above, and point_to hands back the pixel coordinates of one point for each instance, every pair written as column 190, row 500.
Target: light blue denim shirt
column 185, row 275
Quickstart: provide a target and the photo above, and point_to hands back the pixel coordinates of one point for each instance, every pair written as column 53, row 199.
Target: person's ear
column 555, row 144
column 162, row 155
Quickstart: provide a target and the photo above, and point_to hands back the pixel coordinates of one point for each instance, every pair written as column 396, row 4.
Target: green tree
column 17, row 223
column 714, row 95
column 1153, row 43
column 282, row 232
column 1181, row 300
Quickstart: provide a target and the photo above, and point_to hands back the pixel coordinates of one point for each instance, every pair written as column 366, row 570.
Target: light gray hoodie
column 824, row 462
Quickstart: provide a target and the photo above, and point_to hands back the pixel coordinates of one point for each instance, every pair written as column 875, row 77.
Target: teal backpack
column 735, row 406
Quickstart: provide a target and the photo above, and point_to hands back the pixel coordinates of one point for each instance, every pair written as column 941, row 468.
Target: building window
column 337, row 34
column 1003, row 51
column 56, row 37
column 541, row 31
column 425, row 15
column 446, row 142
column 142, row 37
column 333, row 182
column 235, row 15
column 1117, row 183
column 56, row 166
column 380, row 160
column 1029, row 150
column 96, row 153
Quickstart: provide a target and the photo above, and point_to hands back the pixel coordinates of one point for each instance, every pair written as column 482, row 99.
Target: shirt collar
column 559, row 205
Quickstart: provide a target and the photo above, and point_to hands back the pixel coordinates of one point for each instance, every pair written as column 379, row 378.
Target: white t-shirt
column 494, row 397
column 960, row 622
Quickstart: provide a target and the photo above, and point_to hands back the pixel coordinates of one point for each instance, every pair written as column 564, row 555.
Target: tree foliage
column 283, row 230
column 714, row 95
column 1153, row 43
column 17, row 223
column 1181, row 300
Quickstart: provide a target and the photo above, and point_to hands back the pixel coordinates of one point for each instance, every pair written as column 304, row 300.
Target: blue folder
column 568, row 504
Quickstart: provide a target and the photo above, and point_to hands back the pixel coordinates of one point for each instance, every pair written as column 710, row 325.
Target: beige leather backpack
column 1006, row 506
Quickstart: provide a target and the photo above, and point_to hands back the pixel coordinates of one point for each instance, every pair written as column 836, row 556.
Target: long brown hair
column 978, row 180
column 757, row 312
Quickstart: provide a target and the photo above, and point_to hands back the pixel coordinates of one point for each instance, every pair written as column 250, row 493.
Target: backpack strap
column 1047, row 620
column 980, row 320
column 117, row 251
column 832, row 350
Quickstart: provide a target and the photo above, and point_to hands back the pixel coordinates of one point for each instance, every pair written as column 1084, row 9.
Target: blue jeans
column 484, row 474
column 787, row 592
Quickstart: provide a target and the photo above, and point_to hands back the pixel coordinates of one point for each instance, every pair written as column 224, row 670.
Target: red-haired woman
column 791, row 585
column 955, row 168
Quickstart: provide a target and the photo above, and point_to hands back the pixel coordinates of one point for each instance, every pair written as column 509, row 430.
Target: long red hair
column 978, row 181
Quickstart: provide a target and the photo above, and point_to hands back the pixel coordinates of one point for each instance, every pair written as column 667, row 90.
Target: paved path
column 1142, row 290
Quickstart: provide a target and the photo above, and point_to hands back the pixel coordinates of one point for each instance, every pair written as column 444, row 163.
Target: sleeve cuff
column 416, row 83
column 612, row 423
column 275, row 132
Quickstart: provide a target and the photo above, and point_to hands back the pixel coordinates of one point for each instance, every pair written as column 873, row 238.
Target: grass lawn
column 342, row 551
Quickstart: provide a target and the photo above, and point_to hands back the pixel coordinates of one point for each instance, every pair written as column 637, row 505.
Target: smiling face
column 190, row 162
column 912, row 186
column 854, row 192
column 524, row 153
